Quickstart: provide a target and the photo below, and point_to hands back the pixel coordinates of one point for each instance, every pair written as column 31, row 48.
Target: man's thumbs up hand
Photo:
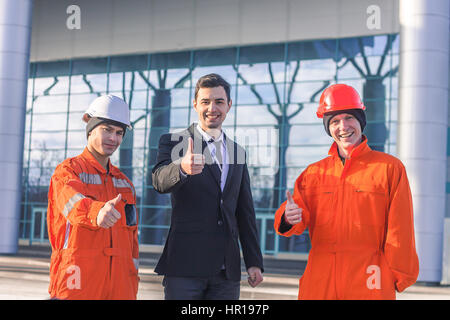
column 190, row 146
column 290, row 201
column 116, row 200
column 292, row 213
column 192, row 163
column 108, row 215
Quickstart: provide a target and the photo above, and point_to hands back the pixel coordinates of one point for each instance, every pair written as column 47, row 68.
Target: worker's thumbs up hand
column 292, row 213
column 192, row 163
column 116, row 200
column 108, row 215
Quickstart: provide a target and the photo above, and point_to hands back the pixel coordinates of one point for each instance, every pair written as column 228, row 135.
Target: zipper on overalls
column 110, row 229
column 338, row 258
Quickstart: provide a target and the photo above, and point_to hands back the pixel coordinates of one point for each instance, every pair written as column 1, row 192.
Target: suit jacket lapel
column 231, row 160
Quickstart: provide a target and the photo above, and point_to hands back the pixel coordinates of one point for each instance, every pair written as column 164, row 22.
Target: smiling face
column 212, row 107
column 346, row 131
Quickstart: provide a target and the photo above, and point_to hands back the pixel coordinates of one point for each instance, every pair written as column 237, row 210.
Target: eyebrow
column 220, row 98
column 112, row 127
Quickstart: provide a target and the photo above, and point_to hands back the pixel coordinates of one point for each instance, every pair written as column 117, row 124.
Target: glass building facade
column 275, row 93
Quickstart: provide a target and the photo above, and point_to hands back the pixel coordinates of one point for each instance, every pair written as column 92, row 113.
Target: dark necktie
column 218, row 145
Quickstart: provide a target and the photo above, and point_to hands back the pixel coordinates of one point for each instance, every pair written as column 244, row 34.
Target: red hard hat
column 339, row 97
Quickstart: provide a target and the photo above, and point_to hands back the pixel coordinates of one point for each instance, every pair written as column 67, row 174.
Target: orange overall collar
column 360, row 150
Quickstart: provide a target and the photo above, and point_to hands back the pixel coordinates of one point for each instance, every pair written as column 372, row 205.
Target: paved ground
column 25, row 277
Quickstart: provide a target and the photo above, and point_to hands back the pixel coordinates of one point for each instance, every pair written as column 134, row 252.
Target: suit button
column 219, row 222
column 221, row 201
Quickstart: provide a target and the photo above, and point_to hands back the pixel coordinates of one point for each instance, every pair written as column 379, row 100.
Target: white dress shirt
column 212, row 148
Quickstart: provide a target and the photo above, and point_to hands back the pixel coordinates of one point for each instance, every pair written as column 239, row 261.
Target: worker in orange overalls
column 357, row 205
column 92, row 219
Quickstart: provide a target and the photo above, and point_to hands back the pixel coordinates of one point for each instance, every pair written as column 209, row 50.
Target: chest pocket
column 370, row 205
column 320, row 201
column 130, row 214
column 129, row 207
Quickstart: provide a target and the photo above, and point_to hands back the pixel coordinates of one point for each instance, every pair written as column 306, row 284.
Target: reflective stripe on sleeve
column 66, row 237
column 136, row 263
column 71, row 203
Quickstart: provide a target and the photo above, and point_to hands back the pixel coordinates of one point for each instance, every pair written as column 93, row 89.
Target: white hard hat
column 109, row 107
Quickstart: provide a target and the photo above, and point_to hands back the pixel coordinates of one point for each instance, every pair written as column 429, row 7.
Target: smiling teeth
column 346, row 135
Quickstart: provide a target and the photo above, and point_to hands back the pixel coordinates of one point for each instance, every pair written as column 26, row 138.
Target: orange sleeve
column 399, row 248
column 69, row 198
column 279, row 214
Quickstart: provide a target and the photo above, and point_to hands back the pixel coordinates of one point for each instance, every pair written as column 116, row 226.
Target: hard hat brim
column 87, row 116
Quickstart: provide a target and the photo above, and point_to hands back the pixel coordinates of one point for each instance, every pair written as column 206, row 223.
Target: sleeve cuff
column 93, row 212
column 182, row 174
column 284, row 226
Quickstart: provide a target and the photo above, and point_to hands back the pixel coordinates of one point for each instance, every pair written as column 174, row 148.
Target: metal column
column 15, row 32
column 422, row 127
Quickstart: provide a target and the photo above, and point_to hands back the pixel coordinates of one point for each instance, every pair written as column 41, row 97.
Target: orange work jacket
column 360, row 221
column 90, row 262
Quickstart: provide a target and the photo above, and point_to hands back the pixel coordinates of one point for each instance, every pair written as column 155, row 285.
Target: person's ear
column 194, row 103
column 230, row 102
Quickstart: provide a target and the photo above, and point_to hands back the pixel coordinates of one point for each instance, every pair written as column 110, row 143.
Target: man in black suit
column 212, row 205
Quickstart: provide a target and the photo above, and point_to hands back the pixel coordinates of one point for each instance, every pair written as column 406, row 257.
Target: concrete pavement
column 25, row 278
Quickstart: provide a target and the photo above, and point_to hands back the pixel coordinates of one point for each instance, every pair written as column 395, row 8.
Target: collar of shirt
column 208, row 138
column 212, row 147
column 86, row 154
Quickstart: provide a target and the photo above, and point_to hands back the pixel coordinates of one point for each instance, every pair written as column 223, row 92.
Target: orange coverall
column 360, row 221
column 90, row 262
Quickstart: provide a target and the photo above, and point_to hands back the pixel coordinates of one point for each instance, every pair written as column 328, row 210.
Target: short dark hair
column 212, row 80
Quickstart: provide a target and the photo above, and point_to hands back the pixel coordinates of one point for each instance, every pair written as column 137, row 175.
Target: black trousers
column 217, row 287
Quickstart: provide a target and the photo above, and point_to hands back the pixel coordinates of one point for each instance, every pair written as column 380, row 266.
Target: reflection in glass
column 275, row 93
